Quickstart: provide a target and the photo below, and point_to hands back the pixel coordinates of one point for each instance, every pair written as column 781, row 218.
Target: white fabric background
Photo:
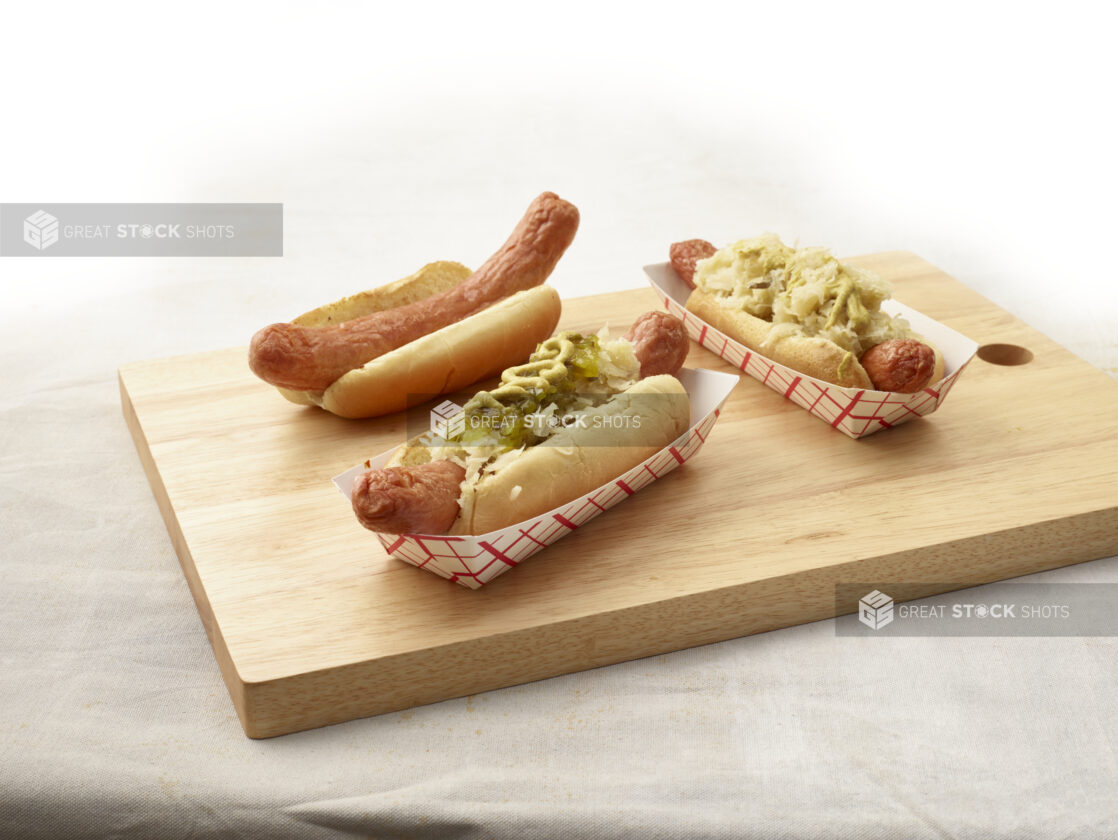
column 982, row 142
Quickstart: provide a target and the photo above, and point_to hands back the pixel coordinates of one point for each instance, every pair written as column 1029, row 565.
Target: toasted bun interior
column 434, row 278
column 443, row 361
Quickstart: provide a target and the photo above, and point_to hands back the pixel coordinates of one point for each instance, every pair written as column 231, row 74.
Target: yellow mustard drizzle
column 540, row 374
column 842, row 295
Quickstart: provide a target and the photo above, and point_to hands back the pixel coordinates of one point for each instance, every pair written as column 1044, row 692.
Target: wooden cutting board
column 313, row 624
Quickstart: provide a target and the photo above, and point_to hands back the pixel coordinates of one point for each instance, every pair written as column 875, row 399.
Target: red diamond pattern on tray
column 855, row 413
column 474, row 561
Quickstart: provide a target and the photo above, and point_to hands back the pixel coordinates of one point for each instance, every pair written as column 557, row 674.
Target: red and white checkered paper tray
column 474, row 561
column 855, row 412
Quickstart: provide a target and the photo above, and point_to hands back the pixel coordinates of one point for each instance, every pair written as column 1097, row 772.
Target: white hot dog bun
column 440, row 362
column 817, row 357
column 573, row 461
column 793, row 294
column 431, row 333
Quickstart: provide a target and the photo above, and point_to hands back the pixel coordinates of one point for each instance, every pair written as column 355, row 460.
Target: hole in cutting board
column 1005, row 354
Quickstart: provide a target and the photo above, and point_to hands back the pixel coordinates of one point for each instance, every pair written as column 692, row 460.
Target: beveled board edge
column 306, row 701
column 229, row 673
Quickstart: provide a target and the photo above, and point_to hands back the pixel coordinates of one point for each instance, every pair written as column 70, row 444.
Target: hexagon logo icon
column 40, row 230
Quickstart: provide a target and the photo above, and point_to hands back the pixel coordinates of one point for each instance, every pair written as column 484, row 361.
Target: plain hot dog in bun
column 806, row 310
column 434, row 332
column 581, row 411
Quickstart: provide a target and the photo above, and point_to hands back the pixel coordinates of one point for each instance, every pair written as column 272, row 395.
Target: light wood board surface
column 313, row 624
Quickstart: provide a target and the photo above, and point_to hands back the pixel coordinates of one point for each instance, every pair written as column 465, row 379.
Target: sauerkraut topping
column 801, row 291
column 566, row 373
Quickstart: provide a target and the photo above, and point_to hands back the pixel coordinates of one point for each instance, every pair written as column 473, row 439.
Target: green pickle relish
column 552, row 375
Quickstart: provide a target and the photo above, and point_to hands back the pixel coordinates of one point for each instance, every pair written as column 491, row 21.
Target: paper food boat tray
column 474, row 561
column 855, row 412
